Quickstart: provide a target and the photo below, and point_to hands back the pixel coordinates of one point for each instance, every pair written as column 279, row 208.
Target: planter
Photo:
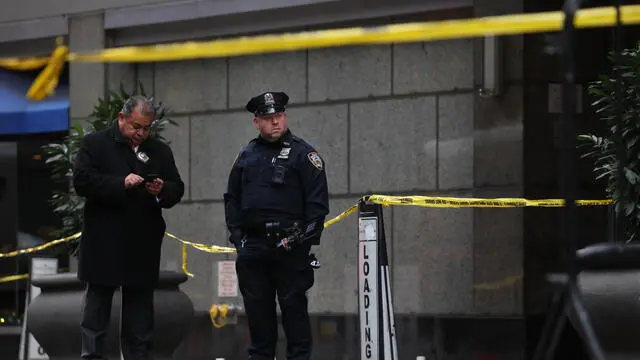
column 54, row 316
column 612, row 300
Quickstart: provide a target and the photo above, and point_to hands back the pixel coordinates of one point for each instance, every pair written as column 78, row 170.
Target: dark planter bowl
column 612, row 300
column 54, row 316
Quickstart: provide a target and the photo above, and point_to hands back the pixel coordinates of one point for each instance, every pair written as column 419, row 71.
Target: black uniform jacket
column 123, row 229
column 284, row 181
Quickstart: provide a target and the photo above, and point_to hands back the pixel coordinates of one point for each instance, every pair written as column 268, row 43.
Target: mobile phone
column 151, row 177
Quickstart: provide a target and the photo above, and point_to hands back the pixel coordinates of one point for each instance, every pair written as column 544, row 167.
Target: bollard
column 612, row 299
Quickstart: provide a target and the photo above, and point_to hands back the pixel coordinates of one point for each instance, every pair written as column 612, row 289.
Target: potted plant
column 55, row 313
column 599, row 146
column 611, row 294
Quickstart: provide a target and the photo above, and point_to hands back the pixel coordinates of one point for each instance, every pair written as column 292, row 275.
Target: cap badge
column 268, row 99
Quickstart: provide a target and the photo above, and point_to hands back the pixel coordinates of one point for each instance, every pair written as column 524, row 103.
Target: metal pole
column 567, row 172
column 568, row 301
column 620, row 223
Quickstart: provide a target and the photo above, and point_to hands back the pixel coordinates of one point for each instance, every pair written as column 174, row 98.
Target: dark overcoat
column 123, row 229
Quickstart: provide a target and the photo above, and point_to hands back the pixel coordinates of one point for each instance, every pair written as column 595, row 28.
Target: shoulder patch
column 315, row 160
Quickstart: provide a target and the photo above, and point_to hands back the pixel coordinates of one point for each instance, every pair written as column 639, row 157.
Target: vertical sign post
column 377, row 327
column 39, row 266
column 368, row 286
column 388, row 323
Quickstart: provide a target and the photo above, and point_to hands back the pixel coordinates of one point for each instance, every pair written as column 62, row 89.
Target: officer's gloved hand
column 236, row 236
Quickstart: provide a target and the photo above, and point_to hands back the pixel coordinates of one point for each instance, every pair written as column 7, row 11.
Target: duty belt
column 274, row 230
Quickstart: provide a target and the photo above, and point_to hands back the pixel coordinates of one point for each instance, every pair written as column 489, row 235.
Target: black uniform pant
column 136, row 324
column 265, row 272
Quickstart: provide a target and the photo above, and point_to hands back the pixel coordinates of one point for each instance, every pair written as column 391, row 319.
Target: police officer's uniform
column 275, row 188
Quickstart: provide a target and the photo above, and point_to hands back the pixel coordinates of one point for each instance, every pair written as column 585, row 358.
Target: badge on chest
column 280, row 171
column 144, row 158
column 284, row 153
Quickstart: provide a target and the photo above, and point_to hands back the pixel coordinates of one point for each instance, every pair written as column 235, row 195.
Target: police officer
column 275, row 206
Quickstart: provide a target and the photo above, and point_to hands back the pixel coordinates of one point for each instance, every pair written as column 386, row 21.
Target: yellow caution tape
column 384, row 200
column 39, row 247
column 213, row 249
column 11, row 278
column 455, row 202
column 341, row 216
column 47, row 80
column 185, row 269
column 24, row 64
column 397, row 33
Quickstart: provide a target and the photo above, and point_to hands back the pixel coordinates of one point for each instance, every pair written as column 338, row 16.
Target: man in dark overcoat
column 127, row 179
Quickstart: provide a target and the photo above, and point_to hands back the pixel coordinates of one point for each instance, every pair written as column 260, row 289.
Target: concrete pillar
column 87, row 80
column 8, row 209
column 498, row 172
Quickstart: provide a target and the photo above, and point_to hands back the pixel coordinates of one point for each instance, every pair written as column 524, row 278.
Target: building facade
column 388, row 119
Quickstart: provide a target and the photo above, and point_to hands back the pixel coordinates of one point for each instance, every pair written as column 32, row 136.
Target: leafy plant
column 601, row 147
column 66, row 203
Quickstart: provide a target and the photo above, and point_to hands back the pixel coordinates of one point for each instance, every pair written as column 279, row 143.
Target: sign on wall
column 227, row 279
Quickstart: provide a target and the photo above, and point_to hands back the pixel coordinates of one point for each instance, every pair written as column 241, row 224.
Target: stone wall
column 390, row 119
column 393, row 119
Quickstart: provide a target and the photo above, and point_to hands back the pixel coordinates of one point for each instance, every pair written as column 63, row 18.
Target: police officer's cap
column 268, row 103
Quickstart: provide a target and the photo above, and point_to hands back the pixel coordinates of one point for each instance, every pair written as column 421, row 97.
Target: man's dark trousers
column 136, row 321
column 265, row 272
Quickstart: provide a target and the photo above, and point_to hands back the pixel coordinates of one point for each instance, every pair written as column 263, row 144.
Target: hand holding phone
column 153, row 183
column 150, row 177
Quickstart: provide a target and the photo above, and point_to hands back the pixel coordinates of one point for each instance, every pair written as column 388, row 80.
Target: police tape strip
column 39, row 247
column 213, row 249
column 397, row 33
column 24, row 64
column 11, row 278
column 228, row 250
column 185, row 267
column 457, row 202
column 384, row 200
